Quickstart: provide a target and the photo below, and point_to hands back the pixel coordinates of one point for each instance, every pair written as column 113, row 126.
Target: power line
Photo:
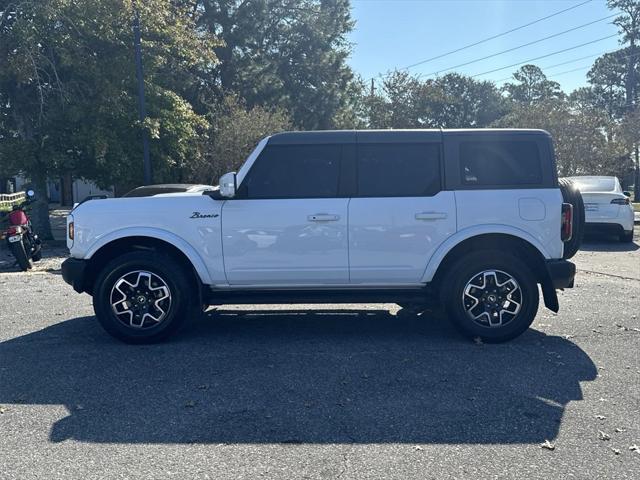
column 570, row 71
column 557, row 64
column 575, row 60
column 626, row 57
column 520, row 46
column 484, row 40
column 544, row 56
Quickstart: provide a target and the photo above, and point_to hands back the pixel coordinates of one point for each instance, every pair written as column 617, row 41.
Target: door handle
column 431, row 216
column 323, row 217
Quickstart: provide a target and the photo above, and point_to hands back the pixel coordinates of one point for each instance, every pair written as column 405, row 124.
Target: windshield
column 595, row 184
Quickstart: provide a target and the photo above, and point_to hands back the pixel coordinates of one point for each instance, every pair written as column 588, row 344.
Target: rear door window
column 294, row 171
column 501, row 163
column 398, row 170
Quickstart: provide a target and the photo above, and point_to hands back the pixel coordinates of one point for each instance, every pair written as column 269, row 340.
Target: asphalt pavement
column 345, row 391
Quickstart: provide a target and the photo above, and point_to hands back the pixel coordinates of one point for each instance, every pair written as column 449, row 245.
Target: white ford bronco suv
column 475, row 219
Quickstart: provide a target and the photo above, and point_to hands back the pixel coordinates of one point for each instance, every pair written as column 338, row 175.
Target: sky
column 393, row 34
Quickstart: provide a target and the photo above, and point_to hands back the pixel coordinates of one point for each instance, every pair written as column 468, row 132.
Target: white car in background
column 607, row 207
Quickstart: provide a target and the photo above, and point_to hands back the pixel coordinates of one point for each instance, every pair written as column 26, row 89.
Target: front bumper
column 561, row 272
column 74, row 273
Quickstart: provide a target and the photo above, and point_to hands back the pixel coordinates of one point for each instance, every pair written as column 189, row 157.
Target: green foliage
column 584, row 139
column 68, row 98
column 532, row 87
column 234, row 133
column 452, row 101
column 608, row 79
column 69, row 92
column 289, row 54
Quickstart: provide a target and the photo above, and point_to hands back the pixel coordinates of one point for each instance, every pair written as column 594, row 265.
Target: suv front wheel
column 144, row 297
column 491, row 295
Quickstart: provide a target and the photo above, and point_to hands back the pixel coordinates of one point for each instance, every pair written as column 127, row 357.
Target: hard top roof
column 378, row 136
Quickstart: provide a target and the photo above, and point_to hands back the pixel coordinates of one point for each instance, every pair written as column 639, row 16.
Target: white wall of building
column 81, row 189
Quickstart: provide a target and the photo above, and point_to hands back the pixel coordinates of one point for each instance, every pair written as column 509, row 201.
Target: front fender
column 464, row 234
column 160, row 234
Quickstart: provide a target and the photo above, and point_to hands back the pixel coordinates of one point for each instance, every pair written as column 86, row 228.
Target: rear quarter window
column 500, row 163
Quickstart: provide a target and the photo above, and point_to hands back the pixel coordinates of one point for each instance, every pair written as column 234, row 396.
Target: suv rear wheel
column 491, row 295
column 144, row 297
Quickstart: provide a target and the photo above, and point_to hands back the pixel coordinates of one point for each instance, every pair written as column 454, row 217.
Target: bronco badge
column 203, row 215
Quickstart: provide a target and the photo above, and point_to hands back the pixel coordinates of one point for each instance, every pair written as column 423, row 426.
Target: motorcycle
column 23, row 242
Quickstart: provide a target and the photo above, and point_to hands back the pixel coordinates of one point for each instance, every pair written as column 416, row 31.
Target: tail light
column 620, row 201
column 566, row 231
column 14, row 230
column 72, row 231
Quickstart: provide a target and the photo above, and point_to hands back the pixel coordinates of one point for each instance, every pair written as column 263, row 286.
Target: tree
column 68, row 96
column 629, row 25
column 608, row 79
column 533, row 86
column 289, row 54
column 459, row 101
column 452, row 101
column 581, row 143
column 234, row 133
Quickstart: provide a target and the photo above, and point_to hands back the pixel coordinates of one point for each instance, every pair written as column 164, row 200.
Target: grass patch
column 636, row 206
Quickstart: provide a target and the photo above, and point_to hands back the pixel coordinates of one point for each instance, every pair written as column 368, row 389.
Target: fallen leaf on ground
column 616, row 451
column 548, row 445
column 604, row 436
column 600, row 417
column 190, row 404
column 634, row 448
column 418, row 447
column 478, row 341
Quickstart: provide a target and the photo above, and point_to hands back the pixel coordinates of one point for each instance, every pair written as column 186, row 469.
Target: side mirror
column 626, row 194
column 228, row 184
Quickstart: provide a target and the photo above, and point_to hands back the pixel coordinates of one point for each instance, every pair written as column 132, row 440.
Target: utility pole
column 373, row 87
column 147, row 173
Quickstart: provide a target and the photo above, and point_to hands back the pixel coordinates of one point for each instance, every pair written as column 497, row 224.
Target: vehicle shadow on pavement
column 604, row 243
column 297, row 376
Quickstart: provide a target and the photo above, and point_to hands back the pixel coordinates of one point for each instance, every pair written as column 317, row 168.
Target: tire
column 475, row 269
column 170, row 302
column 626, row 237
column 18, row 251
column 571, row 194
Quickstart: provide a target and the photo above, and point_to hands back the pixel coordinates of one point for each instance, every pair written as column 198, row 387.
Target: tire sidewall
column 473, row 264
column 571, row 194
column 20, row 254
column 163, row 266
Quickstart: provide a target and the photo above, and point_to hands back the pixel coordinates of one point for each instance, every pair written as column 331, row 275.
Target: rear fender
column 462, row 235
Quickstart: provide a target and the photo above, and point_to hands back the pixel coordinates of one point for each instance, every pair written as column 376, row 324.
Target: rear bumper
column 561, row 272
column 74, row 273
column 610, row 228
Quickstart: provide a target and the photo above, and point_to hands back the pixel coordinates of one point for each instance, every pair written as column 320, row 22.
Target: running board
column 213, row 296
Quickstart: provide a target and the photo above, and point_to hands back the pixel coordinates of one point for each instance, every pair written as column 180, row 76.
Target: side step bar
column 214, row 296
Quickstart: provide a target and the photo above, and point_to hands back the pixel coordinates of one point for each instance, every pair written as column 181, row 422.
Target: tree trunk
column 40, row 208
